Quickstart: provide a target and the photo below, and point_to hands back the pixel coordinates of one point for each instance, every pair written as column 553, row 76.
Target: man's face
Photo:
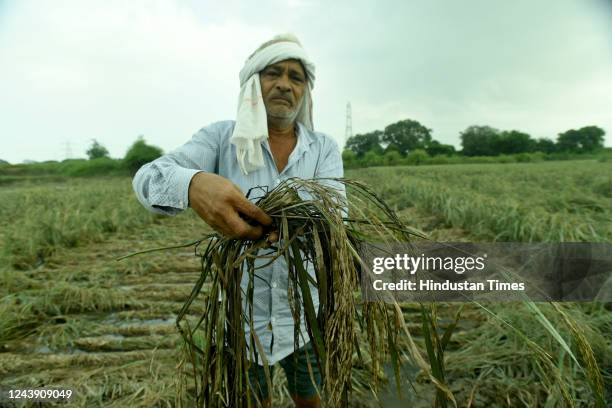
column 282, row 88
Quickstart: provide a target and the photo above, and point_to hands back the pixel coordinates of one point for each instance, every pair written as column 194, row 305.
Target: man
column 271, row 140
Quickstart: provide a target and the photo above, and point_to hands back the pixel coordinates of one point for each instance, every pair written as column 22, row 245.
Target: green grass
column 543, row 202
column 500, row 366
column 37, row 219
column 101, row 167
column 65, row 233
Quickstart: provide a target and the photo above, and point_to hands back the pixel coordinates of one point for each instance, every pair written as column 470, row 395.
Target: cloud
column 112, row 73
column 113, row 70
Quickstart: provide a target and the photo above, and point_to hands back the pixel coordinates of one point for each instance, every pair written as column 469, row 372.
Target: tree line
column 137, row 155
column 409, row 142
column 403, row 142
column 99, row 163
column 488, row 141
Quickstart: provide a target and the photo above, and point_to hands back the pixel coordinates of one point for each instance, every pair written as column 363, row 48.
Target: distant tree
column 372, row 158
column 585, row 139
column 407, row 135
column 349, row 158
column 392, row 158
column 513, row 142
column 96, row 150
column 362, row 143
column 140, row 154
column 435, row 148
column 544, row 145
column 4, row 162
column 392, row 148
column 479, row 141
column 417, row 156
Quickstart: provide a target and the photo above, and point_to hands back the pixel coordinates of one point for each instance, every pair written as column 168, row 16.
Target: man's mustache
column 283, row 98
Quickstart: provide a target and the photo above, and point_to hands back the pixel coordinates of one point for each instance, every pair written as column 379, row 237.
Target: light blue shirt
column 162, row 187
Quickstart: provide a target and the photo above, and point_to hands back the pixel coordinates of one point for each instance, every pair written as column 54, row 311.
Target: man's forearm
column 162, row 186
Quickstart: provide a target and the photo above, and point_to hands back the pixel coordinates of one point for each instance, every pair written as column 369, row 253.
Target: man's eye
column 298, row 79
column 272, row 73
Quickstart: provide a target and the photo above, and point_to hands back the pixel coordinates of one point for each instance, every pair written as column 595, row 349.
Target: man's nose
column 282, row 84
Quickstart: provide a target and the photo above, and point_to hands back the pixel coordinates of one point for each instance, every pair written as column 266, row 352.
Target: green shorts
column 299, row 379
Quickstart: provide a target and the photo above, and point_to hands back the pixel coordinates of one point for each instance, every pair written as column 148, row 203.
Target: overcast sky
column 71, row 71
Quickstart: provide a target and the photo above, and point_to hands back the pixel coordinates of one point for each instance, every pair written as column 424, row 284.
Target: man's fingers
column 252, row 211
column 220, row 203
column 240, row 229
column 218, row 227
column 255, row 232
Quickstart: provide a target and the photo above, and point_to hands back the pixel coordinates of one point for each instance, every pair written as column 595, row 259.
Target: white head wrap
column 251, row 121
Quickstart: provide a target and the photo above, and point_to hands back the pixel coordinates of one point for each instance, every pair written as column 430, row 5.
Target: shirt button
column 274, row 284
column 181, row 203
column 273, row 319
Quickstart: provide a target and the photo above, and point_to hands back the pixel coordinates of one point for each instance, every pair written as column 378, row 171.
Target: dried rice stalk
column 315, row 230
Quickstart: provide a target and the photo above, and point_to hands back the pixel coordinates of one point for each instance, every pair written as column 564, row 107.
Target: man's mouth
column 282, row 100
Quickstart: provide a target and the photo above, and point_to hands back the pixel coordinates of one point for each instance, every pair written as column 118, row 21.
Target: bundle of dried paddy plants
column 313, row 226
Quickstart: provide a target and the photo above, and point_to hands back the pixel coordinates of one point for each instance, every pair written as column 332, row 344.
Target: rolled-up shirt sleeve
column 162, row 186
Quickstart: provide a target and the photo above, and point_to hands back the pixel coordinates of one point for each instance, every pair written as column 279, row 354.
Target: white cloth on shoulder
column 251, row 121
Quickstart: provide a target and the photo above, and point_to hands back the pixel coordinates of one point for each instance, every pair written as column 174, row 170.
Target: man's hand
column 220, row 203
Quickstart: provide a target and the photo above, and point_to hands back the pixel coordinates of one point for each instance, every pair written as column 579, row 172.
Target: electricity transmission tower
column 348, row 132
column 68, row 150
